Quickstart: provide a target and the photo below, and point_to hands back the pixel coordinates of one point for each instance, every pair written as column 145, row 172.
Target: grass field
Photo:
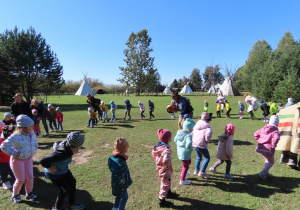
column 89, row 166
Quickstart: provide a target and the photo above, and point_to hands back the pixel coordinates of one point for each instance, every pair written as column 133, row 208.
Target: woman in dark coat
column 19, row 106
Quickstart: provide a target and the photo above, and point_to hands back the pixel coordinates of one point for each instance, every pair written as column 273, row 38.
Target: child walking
column 267, row 139
column 241, row 109
column 113, row 109
column 201, row 137
column 104, row 109
column 92, row 117
column 142, row 109
column 120, row 176
column 151, row 109
column 36, row 119
column 218, row 103
column 53, row 113
column 265, row 108
column 228, row 109
column 161, row 154
column 225, row 151
column 127, row 109
column 59, row 119
column 205, row 106
column 21, row 146
column 8, row 120
column 183, row 140
column 57, row 169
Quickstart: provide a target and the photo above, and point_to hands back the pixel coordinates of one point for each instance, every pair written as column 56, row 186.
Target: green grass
column 246, row 191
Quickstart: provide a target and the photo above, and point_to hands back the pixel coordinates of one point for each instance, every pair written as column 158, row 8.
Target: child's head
column 205, row 101
column 274, row 120
column 50, row 106
column 229, row 129
column 139, row 102
column 112, row 102
column 102, row 103
column 188, row 124
column 7, row 116
column 90, row 109
column 75, row 140
column 225, row 101
column 34, row 112
column 261, row 102
column 121, row 146
column 217, row 101
column 239, row 102
column 24, row 123
column 205, row 116
column 280, row 105
column 126, row 101
column 2, row 124
column 149, row 101
column 34, row 102
column 57, row 109
column 7, row 131
column 164, row 135
column 290, row 101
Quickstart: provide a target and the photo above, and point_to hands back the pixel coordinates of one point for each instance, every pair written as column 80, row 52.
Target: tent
column 227, row 89
column 217, row 87
column 167, row 90
column 186, row 89
column 84, row 89
column 212, row 89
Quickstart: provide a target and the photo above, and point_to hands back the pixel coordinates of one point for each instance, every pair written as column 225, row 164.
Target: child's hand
column 52, row 169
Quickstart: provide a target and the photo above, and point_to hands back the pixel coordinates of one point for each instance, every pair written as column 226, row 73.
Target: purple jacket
column 202, row 134
column 267, row 138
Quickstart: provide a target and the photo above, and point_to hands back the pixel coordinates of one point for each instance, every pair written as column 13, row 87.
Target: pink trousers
column 36, row 128
column 269, row 162
column 241, row 113
column 185, row 168
column 23, row 171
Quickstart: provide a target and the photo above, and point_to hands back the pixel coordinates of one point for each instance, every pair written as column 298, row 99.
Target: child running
column 120, row 176
column 265, row 109
column 113, row 109
column 241, row 109
column 104, row 109
column 59, row 119
column 267, row 139
column 127, row 109
column 183, row 140
column 201, row 137
column 142, row 109
column 161, row 154
column 225, row 150
column 57, row 169
column 228, row 109
column 92, row 117
column 21, row 146
column 151, row 109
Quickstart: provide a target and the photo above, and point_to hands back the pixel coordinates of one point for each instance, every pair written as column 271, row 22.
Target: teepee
column 212, row 89
column 186, row 89
column 167, row 90
column 227, row 88
column 84, row 89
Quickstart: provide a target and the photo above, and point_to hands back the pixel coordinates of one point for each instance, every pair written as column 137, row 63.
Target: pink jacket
column 60, row 117
column 267, row 138
column 202, row 134
column 225, row 147
column 162, row 156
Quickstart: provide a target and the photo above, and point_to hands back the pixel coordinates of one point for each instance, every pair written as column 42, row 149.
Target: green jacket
column 273, row 108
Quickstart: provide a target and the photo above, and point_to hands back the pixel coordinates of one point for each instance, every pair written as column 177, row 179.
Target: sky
column 89, row 36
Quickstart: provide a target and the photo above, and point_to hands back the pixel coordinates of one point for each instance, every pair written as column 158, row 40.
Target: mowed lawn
column 89, row 166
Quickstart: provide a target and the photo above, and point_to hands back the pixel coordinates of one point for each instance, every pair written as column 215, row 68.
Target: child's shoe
column 129, row 118
column 269, row 175
column 163, row 203
column 196, row 173
column 284, row 158
column 213, row 170
column 188, row 174
column 228, row 176
column 41, row 135
column 185, row 182
column 241, row 117
column 76, row 206
column 87, row 126
column 262, row 176
column 203, row 175
column 51, row 131
column 114, row 208
column 7, row 185
column 31, row 197
column 107, row 120
column 171, row 194
column 16, row 198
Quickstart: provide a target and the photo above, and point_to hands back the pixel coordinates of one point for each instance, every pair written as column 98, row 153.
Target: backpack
column 189, row 107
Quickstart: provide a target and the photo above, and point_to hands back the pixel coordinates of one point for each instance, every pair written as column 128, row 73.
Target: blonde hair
column 33, row 101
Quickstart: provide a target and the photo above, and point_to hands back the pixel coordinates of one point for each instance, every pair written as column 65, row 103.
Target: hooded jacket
column 202, row 134
column 265, row 108
column 267, row 138
column 128, row 105
column 183, row 140
column 161, row 154
column 225, row 147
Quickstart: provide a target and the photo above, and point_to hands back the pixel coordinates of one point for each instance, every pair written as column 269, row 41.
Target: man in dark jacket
column 19, row 106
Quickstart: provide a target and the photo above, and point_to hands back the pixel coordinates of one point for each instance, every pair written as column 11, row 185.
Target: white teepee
column 84, row 89
column 167, row 90
column 227, row 89
column 186, row 89
column 212, row 89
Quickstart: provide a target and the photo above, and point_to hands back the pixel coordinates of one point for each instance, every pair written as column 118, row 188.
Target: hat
column 102, row 102
column 75, row 139
column 217, row 101
column 112, row 102
column 89, row 109
column 205, row 116
column 229, row 129
column 148, row 100
column 274, row 120
column 290, row 101
column 7, row 131
column 188, row 124
column 50, row 105
column 245, row 95
column 139, row 102
column 34, row 111
column 57, row 109
column 24, row 121
column 164, row 135
column 7, row 114
column 2, row 124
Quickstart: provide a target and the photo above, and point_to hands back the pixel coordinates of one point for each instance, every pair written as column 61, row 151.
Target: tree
column 140, row 71
column 196, row 79
column 174, row 84
column 26, row 58
column 212, row 76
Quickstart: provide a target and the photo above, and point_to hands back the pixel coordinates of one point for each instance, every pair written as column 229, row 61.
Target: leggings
column 219, row 162
column 185, row 168
column 127, row 112
column 269, row 162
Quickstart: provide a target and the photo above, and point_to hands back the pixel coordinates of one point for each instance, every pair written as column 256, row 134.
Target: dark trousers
column 228, row 113
column 142, row 114
column 4, row 171
column 252, row 115
column 151, row 115
column 218, row 113
column 66, row 186
column 228, row 165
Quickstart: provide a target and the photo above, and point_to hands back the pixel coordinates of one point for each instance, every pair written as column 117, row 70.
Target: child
column 183, row 140
column 36, row 119
column 280, row 106
column 104, row 109
column 267, row 138
column 53, row 113
column 21, row 146
column 273, row 107
column 265, row 108
column 222, row 105
column 228, row 109
column 201, row 136
column 151, row 109
column 8, row 120
column 127, row 109
column 218, row 108
column 173, row 102
column 225, row 151
column 241, row 109
column 120, row 176
column 161, row 154
column 142, row 109
column 92, row 117
column 57, row 169
column 59, row 119
column 205, row 106
column 113, row 108
column 4, row 158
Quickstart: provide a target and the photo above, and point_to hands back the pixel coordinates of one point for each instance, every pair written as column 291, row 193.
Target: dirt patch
column 82, row 157
column 147, row 146
column 105, row 145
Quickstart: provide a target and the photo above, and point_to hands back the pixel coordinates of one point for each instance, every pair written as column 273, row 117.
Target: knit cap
column 112, row 102
column 33, row 111
column 188, row 124
column 2, row 124
column 290, row 101
column 75, row 139
column 57, row 109
column 50, row 105
column 229, row 129
column 274, row 120
column 7, row 114
column 24, row 121
column 121, row 145
column 164, row 135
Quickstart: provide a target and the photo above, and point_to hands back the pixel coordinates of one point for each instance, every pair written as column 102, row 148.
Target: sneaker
column 107, row 120
column 16, row 198
column 203, row 175
column 228, row 176
column 185, row 182
column 292, row 162
column 76, row 206
column 56, row 130
column 41, row 135
column 188, row 174
column 51, row 131
column 163, row 203
column 129, row 118
column 196, row 173
column 262, row 176
column 114, row 120
column 87, row 126
column 111, row 120
column 47, row 134
column 241, row 117
column 213, row 170
column 7, row 185
column 31, row 197
column 269, row 175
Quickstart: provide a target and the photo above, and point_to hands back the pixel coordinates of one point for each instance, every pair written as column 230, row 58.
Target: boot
column 284, row 158
column 163, row 203
column 292, row 160
column 172, row 194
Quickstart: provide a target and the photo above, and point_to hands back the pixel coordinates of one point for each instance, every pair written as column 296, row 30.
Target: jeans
column 120, row 200
column 201, row 152
column 54, row 123
column 105, row 116
column 45, row 124
column 265, row 117
column 59, row 124
column 93, row 122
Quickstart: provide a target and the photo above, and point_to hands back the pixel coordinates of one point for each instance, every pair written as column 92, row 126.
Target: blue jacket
column 241, row 107
column 183, row 140
column 128, row 105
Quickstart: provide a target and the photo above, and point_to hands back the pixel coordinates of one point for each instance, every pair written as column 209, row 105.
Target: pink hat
column 33, row 111
column 164, row 135
column 229, row 129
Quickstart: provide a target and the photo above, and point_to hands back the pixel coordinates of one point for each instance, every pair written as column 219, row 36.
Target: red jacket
column 60, row 117
column 4, row 158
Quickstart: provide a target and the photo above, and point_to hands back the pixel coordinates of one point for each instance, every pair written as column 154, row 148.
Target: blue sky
column 90, row 36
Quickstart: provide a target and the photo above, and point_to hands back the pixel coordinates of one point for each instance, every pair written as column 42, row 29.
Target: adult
column 289, row 103
column 184, row 106
column 221, row 97
column 42, row 112
column 94, row 102
column 252, row 104
column 19, row 106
